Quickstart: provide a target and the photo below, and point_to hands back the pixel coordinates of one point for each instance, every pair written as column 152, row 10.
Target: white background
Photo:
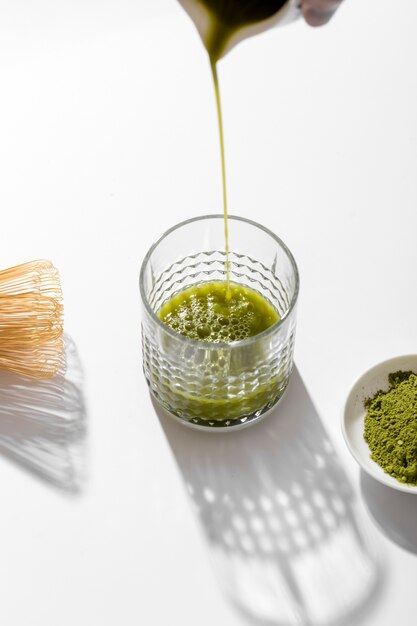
column 107, row 137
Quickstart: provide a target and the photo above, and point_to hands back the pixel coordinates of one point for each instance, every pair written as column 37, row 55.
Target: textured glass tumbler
column 218, row 385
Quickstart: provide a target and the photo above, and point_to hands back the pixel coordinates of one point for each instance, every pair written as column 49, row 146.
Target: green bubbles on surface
column 206, row 312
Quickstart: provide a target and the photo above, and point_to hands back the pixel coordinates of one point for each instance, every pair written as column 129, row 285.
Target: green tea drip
column 218, row 313
column 391, row 427
column 219, row 22
column 223, row 163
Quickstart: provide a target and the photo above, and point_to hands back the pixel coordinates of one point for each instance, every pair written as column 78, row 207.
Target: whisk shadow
column 279, row 516
column 43, row 423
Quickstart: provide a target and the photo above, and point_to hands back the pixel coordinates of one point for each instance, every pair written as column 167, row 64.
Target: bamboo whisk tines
column 31, row 320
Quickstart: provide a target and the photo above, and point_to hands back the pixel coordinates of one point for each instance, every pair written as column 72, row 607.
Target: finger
column 319, row 12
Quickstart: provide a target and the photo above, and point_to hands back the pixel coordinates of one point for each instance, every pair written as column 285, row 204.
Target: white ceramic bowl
column 354, row 415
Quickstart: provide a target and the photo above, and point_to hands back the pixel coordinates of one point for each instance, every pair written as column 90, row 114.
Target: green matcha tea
column 218, row 312
column 231, row 380
column 235, row 379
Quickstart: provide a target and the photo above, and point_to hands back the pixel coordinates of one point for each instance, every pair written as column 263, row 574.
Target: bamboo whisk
column 31, row 320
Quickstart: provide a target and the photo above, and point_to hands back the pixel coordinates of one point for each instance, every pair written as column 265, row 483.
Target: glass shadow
column 288, row 544
column 43, row 423
column 394, row 512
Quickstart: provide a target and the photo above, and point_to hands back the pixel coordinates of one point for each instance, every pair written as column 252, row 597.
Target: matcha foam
column 218, row 312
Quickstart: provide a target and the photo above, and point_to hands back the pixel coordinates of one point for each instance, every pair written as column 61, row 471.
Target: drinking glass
column 218, row 385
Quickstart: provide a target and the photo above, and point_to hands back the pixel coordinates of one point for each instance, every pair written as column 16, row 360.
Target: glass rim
column 210, row 344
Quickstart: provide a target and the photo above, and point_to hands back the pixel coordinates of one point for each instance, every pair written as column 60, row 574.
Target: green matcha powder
column 391, row 427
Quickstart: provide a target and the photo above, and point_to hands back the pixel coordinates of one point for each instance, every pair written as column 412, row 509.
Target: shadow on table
column 279, row 516
column 394, row 512
column 43, row 423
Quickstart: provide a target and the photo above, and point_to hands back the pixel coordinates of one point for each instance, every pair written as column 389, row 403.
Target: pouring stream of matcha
column 221, row 25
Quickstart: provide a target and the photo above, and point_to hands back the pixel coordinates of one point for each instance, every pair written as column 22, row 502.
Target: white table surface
column 110, row 514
